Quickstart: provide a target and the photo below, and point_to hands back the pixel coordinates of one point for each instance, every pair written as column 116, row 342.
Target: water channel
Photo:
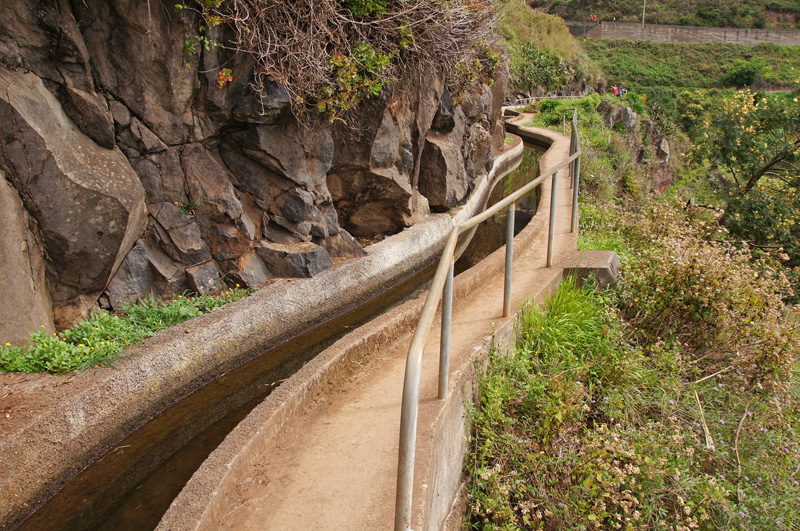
column 133, row 484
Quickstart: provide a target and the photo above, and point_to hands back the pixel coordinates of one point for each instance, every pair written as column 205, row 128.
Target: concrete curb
column 200, row 503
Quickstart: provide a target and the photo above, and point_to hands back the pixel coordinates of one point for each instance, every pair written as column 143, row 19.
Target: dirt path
column 336, row 465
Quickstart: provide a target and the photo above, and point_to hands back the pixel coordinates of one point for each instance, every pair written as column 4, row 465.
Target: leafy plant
column 101, row 339
column 752, row 144
column 748, row 73
column 366, row 8
column 360, row 75
column 541, row 67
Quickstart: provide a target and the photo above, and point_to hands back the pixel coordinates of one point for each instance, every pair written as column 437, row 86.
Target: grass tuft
column 101, row 339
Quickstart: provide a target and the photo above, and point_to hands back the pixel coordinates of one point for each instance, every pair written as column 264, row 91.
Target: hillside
column 653, row 64
column 543, row 55
column 716, row 13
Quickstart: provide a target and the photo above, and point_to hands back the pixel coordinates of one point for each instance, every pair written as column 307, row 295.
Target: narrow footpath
column 334, row 466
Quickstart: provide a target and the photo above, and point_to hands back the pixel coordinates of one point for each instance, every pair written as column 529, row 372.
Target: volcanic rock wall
column 129, row 172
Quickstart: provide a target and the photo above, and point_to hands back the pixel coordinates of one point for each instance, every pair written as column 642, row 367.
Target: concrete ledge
column 604, row 265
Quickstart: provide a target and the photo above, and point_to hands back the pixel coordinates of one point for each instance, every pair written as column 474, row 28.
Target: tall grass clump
column 101, row 339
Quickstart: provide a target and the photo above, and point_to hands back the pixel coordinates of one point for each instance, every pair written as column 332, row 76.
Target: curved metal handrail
column 442, row 288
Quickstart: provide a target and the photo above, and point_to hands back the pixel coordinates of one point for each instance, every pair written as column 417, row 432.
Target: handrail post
column 576, row 181
column 552, row 230
column 447, row 322
column 509, row 260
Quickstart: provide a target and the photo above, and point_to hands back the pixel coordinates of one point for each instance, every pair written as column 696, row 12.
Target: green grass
column 102, row 338
column 586, row 427
column 519, row 25
column 641, row 65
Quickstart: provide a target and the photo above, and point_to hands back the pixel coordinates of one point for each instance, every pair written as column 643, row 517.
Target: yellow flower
column 8, row 344
column 42, row 326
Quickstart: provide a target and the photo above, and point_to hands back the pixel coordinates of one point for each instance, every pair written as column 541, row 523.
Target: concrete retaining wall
column 684, row 34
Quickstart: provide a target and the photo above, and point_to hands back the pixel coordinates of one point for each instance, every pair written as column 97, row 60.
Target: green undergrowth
column 639, row 64
column 609, row 167
column 101, row 339
column 542, row 52
column 669, row 402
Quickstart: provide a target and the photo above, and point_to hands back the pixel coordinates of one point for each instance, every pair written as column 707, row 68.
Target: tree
column 753, row 146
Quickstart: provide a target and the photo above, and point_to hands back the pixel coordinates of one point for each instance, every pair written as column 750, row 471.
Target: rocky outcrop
column 144, row 177
column 87, row 200
column 26, row 301
column 303, row 260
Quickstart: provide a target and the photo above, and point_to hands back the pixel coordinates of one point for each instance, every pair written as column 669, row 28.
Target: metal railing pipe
column 447, row 322
column 442, row 282
column 551, row 231
column 497, row 207
column 509, row 260
column 410, row 404
column 573, row 226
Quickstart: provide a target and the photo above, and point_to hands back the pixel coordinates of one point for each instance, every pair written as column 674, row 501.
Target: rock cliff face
column 133, row 173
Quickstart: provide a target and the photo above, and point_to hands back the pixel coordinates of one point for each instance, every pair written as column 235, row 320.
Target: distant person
column 615, row 90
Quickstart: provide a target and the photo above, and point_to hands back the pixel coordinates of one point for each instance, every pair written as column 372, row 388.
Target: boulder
column 169, row 276
column 303, row 260
column 90, row 113
column 299, row 154
column 443, row 179
column 134, row 279
column 26, row 301
column 209, row 185
column 205, row 278
column 662, row 151
column 250, row 270
column 87, row 200
column 444, row 121
column 342, row 245
column 188, row 240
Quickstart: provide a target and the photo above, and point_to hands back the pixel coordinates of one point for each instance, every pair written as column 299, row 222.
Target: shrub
column 726, row 309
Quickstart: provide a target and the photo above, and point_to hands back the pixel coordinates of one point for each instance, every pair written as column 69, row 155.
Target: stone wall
column 683, row 34
column 139, row 175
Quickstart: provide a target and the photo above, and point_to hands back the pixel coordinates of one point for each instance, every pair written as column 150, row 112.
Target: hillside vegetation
column 654, row 64
column 716, row 13
column 542, row 53
column 668, row 402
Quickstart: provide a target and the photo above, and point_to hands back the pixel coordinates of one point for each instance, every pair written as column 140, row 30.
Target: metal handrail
column 442, row 288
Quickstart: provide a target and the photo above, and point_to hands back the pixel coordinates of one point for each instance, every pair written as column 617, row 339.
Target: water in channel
column 133, row 484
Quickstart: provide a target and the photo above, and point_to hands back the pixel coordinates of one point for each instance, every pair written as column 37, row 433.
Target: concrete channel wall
column 201, row 504
column 683, row 34
column 100, row 407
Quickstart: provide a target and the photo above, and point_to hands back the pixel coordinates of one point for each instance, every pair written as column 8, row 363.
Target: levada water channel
column 133, row 484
